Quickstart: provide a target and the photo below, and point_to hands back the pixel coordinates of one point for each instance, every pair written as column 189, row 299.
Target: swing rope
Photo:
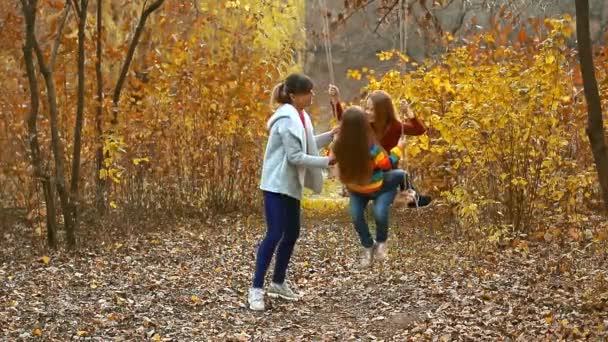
column 328, row 55
column 326, row 40
column 408, row 183
column 403, row 14
column 400, row 14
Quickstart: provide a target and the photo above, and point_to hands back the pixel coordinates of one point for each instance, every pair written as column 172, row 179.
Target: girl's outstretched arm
column 324, row 139
column 296, row 154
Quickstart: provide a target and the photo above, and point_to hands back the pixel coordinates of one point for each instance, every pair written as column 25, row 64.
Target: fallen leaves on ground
column 190, row 283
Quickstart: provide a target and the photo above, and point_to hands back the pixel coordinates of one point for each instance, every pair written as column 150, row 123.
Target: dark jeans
column 283, row 230
column 382, row 199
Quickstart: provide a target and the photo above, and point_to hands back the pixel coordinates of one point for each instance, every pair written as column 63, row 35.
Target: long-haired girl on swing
column 387, row 128
column 369, row 173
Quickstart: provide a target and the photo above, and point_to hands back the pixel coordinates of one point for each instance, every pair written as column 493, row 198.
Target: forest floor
column 187, row 281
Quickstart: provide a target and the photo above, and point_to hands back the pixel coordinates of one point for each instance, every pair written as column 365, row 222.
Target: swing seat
column 410, row 199
column 405, row 198
column 421, row 201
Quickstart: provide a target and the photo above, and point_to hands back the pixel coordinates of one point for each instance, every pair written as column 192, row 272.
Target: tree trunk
column 29, row 13
column 99, row 196
column 56, row 144
column 74, row 195
column 595, row 124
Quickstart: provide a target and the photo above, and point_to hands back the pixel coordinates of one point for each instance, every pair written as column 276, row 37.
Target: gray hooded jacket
column 291, row 160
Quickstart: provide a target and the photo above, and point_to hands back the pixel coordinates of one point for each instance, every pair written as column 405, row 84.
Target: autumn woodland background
column 131, row 141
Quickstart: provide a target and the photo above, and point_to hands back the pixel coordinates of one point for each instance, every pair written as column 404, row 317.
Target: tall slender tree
column 595, row 123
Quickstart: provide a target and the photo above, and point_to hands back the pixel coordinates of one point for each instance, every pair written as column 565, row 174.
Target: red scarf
column 302, row 118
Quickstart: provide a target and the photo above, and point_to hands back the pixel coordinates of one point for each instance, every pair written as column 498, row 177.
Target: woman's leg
column 276, row 221
column 287, row 244
column 382, row 207
column 357, row 205
column 392, row 179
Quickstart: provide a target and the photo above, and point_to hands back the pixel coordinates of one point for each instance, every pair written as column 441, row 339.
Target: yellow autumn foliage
column 191, row 122
column 504, row 137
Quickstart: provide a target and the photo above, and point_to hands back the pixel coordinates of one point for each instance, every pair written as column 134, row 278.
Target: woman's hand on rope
column 406, row 110
column 335, row 131
column 332, row 158
column 401, row 143
column 334, row 94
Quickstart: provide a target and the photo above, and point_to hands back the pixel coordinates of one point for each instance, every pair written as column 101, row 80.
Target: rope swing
column 326, row 40
column 403, row 14
column 328, row 55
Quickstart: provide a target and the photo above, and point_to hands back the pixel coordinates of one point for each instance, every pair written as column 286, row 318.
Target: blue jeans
column 283, row 230
column 382, row 199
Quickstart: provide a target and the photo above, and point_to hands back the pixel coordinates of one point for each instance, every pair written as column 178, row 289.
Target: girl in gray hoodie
column 291, row 162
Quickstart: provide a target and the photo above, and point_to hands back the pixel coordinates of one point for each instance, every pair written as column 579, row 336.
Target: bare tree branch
column 125, row 67
column 357, row 9
column 386, row 15
column 196, row 7
column 64, row 17
column 77, row 8
column 460, row 22
column 433, row 17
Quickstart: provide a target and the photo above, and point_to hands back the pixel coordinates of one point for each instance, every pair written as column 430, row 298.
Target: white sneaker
column 282, row 290
column 256, row 299
column 365, row 260
column 380, row 251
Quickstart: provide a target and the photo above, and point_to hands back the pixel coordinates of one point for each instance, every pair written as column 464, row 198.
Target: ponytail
column 279, row 95
column 293, row 84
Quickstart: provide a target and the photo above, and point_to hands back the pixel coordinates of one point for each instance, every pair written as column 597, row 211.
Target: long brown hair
column 384, row 112
column 352, row 145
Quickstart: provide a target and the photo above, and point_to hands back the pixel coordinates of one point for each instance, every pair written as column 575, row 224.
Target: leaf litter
column 190, row 283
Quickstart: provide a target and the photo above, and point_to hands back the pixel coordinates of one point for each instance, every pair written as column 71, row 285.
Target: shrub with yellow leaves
column 504, row 135
column 197, row 138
